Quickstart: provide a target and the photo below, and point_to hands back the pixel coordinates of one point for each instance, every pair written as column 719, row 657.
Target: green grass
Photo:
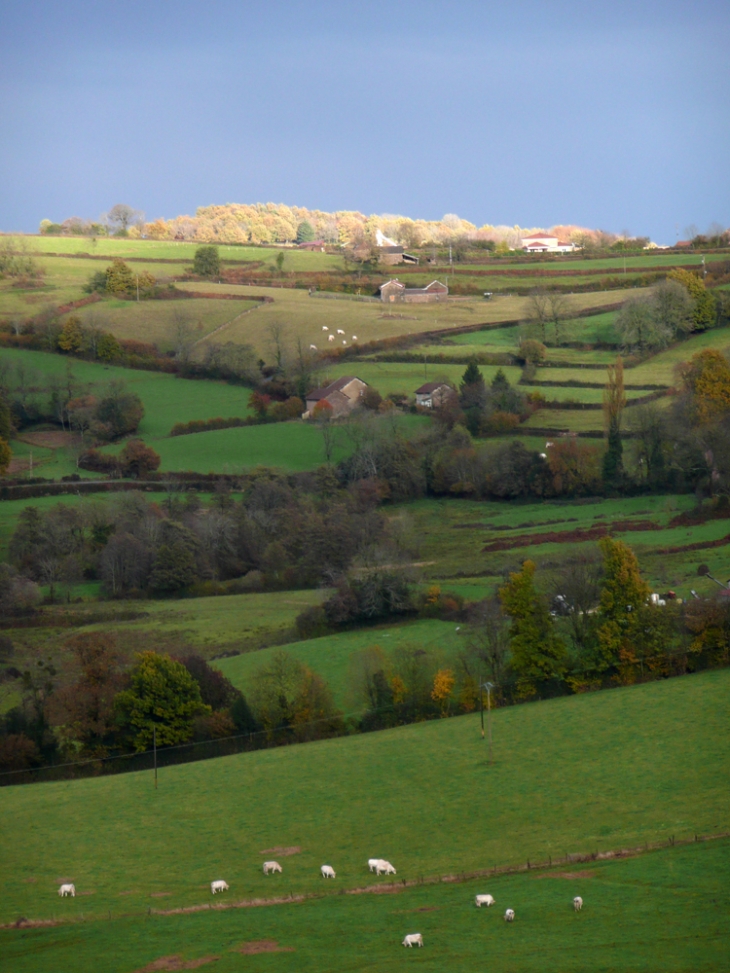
column 581, row 774
column 660, row 913
column 330, row 655
column 406, row 377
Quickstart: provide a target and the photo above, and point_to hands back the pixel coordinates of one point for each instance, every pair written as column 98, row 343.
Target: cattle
column 373, row 863
column 218, row 886
column 67, row 890
column 340, row 331
column 327, row 871
column 509, row 915
column 413, row 939
column 271, row 867
column 384, row 868
column 577, row 903
column 481, row 900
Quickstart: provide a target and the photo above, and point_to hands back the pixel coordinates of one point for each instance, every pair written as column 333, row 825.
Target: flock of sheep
column 331, row 337
column 378, row 865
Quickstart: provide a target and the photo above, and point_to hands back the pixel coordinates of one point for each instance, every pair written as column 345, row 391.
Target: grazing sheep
column 340, row 331
column 271, row 867
column 327, row 871
column 354, row 337
column 325, row 328
column 312, row 347
column 577, row 903
column 384, row 868
column 373, row 863
column 509, row 915
column 218, row 886
column 413, row 939
column 331, row 338
column 344, row 342
column 481, row 900
column 69, row 889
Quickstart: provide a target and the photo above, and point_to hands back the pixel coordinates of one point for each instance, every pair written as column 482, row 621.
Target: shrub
column 207, row 262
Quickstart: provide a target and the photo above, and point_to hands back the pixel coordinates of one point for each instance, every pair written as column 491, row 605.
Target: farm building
column 318, row 245
column 545, row 243
column 432, row 394
column 394, row 292
column 342, row 396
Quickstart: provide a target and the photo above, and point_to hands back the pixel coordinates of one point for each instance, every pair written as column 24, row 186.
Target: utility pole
column 489, row 686
column 154, row 751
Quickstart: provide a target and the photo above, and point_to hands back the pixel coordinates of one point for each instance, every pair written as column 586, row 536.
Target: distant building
column 545, row 243
column 342, row 396
column 394, row 292
column 433, row 394
column 312, row 245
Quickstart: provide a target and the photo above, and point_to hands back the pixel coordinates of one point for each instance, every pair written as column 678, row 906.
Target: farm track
column 391, row 888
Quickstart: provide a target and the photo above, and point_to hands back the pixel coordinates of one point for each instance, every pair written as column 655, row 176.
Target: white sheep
column 354, row 337
column 271, row 867
column 312, row 347
column 340, row 331
column 509, row 915
column 577, row 903
column 328, row 871
column 413, row 939
column 481, row 900
column 331, row 338
column 68, row 889
column 325, row 328
column 344, row 342
column 218, row 886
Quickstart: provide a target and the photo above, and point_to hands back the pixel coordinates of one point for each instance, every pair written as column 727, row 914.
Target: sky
column 611, row 114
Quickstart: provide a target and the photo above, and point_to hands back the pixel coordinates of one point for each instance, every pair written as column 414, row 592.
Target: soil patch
column 571, row 536
column 88, row 892
column 169, row 964
column 52, row 439
column 159, row 895
column 23, row 923
column 262, row 946
column 570, row 875
column 281, row 850
column 129, row 892
column 30, row 879
column 18, row 465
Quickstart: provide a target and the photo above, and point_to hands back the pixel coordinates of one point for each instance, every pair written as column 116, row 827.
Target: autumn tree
column 623, row 593
column 704, row 313
column 706, row 379
column 614, row 401
column 538, row 653
column 119, row 278
column 84, row 712
column 5, row 456
column 575, row 467
column 138, row 459
column 71, row 338
column 162, row 696
column 443, row 687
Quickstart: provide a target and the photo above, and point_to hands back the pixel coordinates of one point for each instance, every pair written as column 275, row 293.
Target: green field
column 578, row 775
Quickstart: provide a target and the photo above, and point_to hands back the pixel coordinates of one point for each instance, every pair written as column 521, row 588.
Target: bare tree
column 558, row 310
column 487, row 644
column 277, row 334
column 538, row 313
column 120, row 217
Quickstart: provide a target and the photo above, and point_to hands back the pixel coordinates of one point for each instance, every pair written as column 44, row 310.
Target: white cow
column 327, row 871
column 577, row 903
column 413, row 939
column 271, row 867
column 331, row 338
column 373, row 863
column 509, row 915
column 69, row 889
column 325, row 328
column 481, row 900
column 218, row 886
column 384, row 868
column 340, row 331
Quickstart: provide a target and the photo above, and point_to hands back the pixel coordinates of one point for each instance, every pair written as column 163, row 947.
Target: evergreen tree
column 207, row 262
column 623, row 594
column 305, row 233
column 538, row 653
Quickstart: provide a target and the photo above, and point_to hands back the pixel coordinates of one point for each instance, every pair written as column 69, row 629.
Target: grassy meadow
column 577, row 775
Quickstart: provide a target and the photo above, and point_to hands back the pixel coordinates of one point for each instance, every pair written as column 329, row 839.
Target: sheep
column 413, row 939
column 340, row 331
column 68, row 889
column 331, row 338
column 577, row 903
column 312, row 347
column 344, row 342
column 373, row 863
column 354, row 337
column 325, row 328
column 271, row 867
column 481, row 900
column 328, row 871
column 509, row 915
column 218, row 886
column 384, row 868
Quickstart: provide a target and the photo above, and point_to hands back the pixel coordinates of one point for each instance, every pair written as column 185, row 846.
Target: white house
column 545, row 243
column 433, row 394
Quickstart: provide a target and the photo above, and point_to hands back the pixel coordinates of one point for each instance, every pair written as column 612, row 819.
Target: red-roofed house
column 545, row 243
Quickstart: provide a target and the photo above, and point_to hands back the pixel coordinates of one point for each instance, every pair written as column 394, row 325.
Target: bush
column 207, row 262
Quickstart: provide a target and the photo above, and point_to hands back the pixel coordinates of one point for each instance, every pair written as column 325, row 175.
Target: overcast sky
column 605, row 113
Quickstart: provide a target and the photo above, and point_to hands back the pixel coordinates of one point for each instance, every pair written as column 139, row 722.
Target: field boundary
column 391, row 888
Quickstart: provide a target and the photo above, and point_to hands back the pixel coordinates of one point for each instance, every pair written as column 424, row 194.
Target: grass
column 581, row 774
column 660, row 912
column 331, row 655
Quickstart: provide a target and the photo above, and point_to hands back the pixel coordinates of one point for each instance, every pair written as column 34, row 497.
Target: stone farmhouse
column 342, row 396
column 393, row 292
column 432, row 395
column 545, row 243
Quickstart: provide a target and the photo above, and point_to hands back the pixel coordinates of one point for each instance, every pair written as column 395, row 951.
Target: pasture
column 576, row 775
column 660, row 913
